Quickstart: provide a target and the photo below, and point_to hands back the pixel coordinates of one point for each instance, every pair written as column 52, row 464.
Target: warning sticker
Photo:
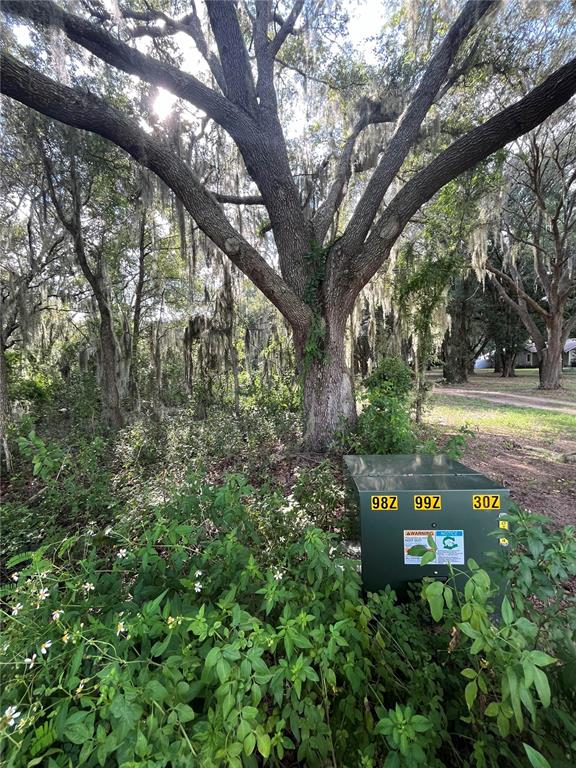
column 449, row 546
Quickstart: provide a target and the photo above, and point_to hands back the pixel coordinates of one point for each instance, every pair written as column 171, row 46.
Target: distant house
column 528, row 358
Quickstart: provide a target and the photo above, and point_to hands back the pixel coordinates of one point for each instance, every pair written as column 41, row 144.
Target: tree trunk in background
column 133, row 378
column 111, row 406
column 550, row 358
column 156, row 355
column 422, row 345
column 455, row 352
column 329, row 403
column 498, row 359
column 5, row 412
column 235, row 372
column 508, row 364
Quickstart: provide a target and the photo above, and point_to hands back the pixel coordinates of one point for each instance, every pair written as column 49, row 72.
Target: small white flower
column 65, row 637
column 278, row 575
column 17, row 608
column 197, row 574
column 198, row 586
column 56, row 615
column 15, row 577
column 43, row 594
column 108, row 531
column 30, row 661
column 43, row 575
column 120, row 628
column 44, row 647
column 121, row 554
column 282, row 539
column 170, row 621
column 11, row 715
column 88, row 587
column 89, row 532
column 80, row 688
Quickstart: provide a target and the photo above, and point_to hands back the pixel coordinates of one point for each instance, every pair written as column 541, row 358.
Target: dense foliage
column 226, row 625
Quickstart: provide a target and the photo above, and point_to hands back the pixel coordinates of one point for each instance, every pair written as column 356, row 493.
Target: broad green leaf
column 542, row 686
column 249, row 743
column 541, row 659
column 212, row 657
column 513, row 687
column 185, row 713
column 507, row 612
column 428, row 558
column 263, row 742
column 470, row 693
column 536, row 759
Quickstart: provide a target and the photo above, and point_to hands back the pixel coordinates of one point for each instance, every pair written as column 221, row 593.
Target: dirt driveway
column 509, row 398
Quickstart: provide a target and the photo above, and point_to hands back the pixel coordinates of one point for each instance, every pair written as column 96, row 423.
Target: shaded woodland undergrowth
column 181, row 593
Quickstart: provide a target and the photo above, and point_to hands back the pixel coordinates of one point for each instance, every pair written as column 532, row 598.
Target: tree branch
column 286, row 28
column 326, row 211
column 407, row 131
column 465, row 153
column 522, row 312
column 120, row 55
column 518, row 290
column 239, row 199
column 93, row 114
column 233, row 55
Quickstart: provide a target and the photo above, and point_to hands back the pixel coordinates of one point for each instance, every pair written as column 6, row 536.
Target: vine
column 314, row 346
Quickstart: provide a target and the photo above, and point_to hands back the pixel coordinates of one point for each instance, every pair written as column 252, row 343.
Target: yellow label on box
column 426, row 502
column 486, row 501
column 503, row 542
column 383, row 503
column 503, row 524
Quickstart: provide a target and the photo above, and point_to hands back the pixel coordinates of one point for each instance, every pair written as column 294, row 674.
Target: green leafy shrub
column 68, row 489
column 35, row 387
column 384, row 424
column 320, row 491
column 393, row 377
column 195, row 640
column 272, row 396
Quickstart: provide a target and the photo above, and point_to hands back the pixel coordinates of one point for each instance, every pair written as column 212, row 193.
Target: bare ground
column 534, row 456
column 538, row 479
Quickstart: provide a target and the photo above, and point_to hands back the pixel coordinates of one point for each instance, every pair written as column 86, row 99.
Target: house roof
column 568, row 347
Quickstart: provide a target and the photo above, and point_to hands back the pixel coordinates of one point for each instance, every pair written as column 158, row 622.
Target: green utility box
column 404, row 500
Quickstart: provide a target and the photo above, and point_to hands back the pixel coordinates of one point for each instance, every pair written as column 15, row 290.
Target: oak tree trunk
column 508, row 364
column 328, row 397
column 550, row 362
column 454, row 355
column 498, row 359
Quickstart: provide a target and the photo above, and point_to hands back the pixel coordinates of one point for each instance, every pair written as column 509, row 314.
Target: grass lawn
column 524, row 383
column 492, row 418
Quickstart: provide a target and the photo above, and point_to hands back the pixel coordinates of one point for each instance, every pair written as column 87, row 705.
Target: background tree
column 539, row 225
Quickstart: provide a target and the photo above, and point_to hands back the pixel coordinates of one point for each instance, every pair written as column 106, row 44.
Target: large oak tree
column 318, row 279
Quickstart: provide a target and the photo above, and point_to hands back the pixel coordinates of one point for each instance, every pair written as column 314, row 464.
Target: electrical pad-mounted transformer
column 406, row 500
